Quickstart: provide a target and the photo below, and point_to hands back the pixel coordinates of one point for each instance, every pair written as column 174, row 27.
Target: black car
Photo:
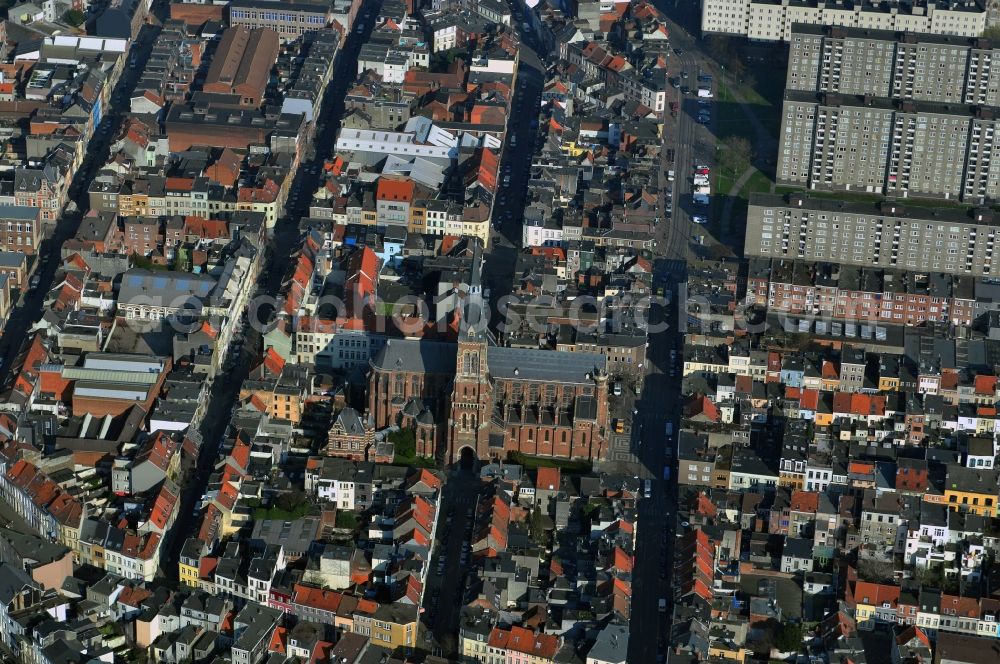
column 678, row 51
column 685, row 90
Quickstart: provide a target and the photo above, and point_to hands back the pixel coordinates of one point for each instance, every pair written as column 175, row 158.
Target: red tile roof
column 273, row 362
column 163, row 507
column 623, row 562
column 519, row 639
column 986, row 385
column 278, row 639
column 395, row 188
column 180, row 184
column 804, row 501
column 427, row 477
column 548, row 479
column 858, row 404
column 963, row 607
column 809, row 399
column 317, row 598
column 206, row 567
column 133, row 596
column 874, row 594
column 860, row 468
column 227, row 496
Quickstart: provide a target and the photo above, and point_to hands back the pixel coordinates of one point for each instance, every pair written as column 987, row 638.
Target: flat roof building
column 882, row 63
column 770, row 20
column 289, row 19
column 886, row 146
column 952, row 240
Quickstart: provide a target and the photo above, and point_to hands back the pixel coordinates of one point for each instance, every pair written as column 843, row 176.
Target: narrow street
column 444, row 595
column 660, row 403
column 692, row 143
column 522, row 133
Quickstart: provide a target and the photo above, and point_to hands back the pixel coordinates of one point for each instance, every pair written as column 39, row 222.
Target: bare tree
column 736, row 155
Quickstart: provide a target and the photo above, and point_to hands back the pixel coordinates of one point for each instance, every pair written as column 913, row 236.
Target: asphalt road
column 225, row 390
column 659, row 404
column 515, row 164
column 444, row 595
column 692, row 143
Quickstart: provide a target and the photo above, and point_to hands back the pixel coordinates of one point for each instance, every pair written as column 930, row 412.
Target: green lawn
column 404, row 444
column 414, row 461
column 280, row 514
column 764, row 97
column 757, row 183
column 534, row 463
column 730, row 120
column 347, row 519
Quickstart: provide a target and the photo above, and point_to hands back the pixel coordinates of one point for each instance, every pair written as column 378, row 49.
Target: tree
column 992, row 32
column 347, row 519
column 736, row 155
column 74, row 17
column 291, row 501
column 537, row 529
column 876, row 571
column 404, row 443
column 789, row 637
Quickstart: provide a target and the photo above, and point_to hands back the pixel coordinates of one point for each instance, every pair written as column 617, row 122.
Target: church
column 476, row 397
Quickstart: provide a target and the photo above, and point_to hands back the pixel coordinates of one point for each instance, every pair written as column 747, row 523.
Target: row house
column 854, row 293
column 925, row 608
column 43, row 188
column 160, row 196
column 42, row 503
column 881, row 527
column 20, row 229
column 857, row 407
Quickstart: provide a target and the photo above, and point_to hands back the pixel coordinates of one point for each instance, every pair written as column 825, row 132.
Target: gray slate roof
column 544, row 365
column 351, row 422
column 413, row 355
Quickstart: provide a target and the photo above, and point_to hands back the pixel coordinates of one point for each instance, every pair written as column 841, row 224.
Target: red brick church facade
column 491, row 399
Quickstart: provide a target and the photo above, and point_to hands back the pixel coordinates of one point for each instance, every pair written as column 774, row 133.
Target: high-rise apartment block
column 774, row 20
column 887, row 235
column 878, row 145
column 894, row 114
column 898, row 65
